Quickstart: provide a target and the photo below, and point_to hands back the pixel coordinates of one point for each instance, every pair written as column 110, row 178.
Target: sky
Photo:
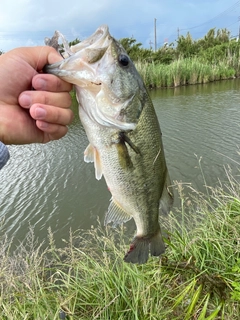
column 28, row 22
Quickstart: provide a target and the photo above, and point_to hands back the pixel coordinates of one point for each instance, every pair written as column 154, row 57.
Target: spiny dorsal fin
column 116, row 215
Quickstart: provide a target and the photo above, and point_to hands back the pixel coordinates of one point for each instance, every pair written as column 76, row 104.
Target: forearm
column 4, row 155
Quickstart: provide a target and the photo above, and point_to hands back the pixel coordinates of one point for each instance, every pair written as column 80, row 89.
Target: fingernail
column 25, row 100
column 40, row 113
column 40, row 84
column 42, row 125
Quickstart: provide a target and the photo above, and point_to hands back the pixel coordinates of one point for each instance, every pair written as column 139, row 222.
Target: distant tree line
column 213, row 46
column 186, row 61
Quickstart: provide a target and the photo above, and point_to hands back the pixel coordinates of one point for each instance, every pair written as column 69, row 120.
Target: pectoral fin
column 116, row 215
column 92, row 155
column 124, row 138
column 123, row 156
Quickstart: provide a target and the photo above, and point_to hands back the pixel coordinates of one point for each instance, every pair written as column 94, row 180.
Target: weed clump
column 197, row 277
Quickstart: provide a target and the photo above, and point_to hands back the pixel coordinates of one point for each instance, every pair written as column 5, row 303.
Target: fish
column 125, row 140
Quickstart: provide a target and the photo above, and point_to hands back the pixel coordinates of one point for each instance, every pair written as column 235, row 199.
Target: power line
column 228, row 10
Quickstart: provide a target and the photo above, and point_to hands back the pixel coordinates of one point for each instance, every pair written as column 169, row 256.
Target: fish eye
column 123, row 60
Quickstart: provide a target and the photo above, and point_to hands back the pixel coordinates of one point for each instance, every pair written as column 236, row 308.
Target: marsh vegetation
column 187, row 61
column 197, row 278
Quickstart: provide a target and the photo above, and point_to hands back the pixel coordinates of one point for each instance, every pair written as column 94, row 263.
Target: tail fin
column 140, row 247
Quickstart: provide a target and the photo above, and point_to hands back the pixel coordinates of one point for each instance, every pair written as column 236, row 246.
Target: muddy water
column 50, row 186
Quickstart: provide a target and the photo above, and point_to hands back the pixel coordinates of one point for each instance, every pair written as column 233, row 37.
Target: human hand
column 28, row 116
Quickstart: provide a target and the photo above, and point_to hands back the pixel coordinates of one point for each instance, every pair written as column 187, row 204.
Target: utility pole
column 150, row 42
column 155, row 34
column 178, row 32
column 239, row 29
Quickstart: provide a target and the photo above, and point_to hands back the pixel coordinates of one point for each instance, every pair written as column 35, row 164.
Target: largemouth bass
column 124, row 134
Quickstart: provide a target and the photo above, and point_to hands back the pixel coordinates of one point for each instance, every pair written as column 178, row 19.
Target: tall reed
column 186, row 71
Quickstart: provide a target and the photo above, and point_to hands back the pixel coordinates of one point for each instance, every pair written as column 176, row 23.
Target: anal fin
column 116, row 215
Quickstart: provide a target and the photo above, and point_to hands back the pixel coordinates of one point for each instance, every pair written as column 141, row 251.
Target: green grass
column 186, row 71
column 197, row 278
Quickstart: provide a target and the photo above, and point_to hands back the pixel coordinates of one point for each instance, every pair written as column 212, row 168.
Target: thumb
column 39, row 56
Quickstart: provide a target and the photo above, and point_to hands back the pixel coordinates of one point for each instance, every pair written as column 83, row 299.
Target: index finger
column 50, row 82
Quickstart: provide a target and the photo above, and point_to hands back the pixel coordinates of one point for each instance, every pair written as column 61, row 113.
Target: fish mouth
column 99, row 39
column 86, row 61
column 75, row 69
column 81, row 66
column 88, row 67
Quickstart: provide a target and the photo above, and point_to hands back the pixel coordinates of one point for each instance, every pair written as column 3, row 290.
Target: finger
column 51, row 131
column 59, row 99
column 51, row 114
column 49, row 82
column 38, row 56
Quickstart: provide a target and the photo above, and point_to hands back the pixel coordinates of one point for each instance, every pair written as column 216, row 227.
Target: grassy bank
column 197, row 278
column 187, row 71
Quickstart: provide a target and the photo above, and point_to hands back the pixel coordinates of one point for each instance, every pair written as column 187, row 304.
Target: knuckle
column 57, row 132
column 71, row 116
column 57, row 116
column 47, row 99
column 58, row 85
column 68, row 100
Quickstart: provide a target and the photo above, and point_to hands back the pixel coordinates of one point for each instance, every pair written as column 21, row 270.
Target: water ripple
column 51, row 186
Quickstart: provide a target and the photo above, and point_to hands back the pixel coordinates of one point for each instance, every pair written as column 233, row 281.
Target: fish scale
column 124, row 135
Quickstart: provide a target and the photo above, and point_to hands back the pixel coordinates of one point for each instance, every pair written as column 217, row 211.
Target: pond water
column 50, row 185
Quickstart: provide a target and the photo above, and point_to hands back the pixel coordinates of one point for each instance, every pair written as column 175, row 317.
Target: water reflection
column 200, row 122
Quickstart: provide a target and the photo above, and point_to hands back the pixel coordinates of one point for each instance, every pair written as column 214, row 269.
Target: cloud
column 25, row 22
